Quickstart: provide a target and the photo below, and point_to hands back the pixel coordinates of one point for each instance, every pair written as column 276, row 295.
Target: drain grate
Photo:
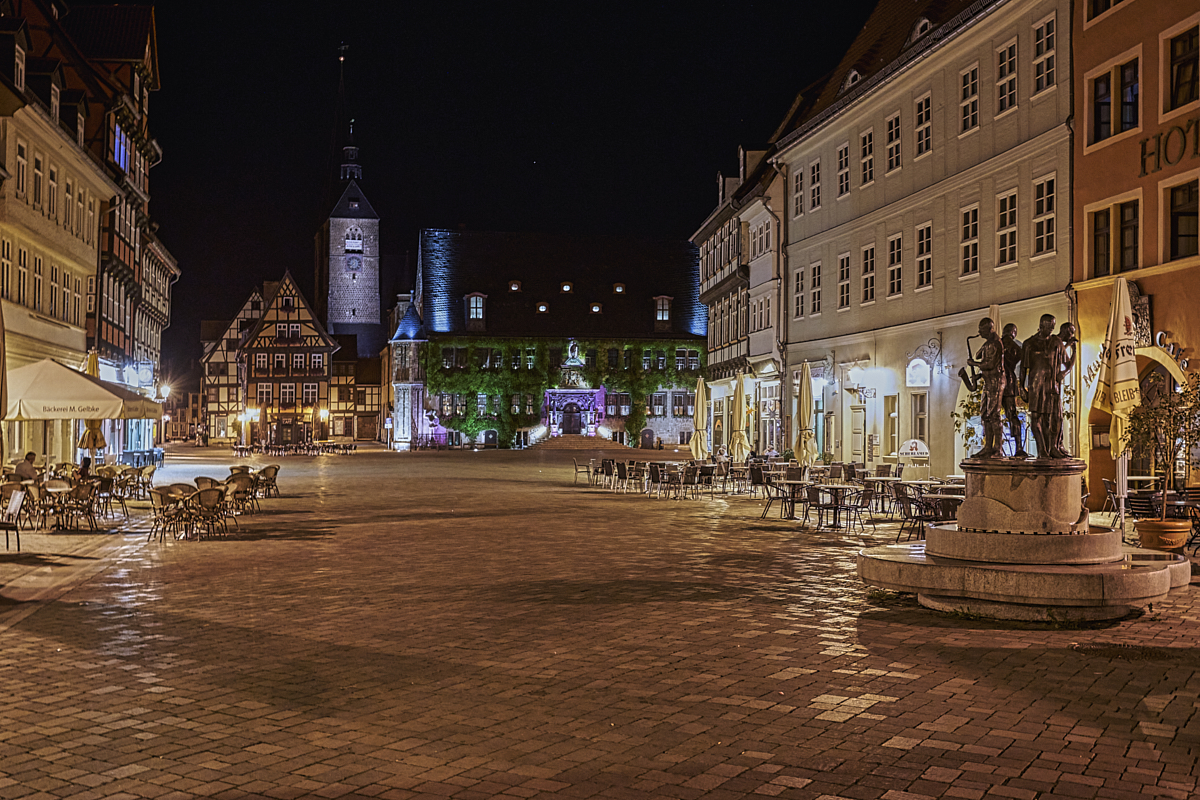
column 1137, row 652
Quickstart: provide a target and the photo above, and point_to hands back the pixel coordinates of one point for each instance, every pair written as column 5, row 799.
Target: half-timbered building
column 287, row 355
column 222, row 381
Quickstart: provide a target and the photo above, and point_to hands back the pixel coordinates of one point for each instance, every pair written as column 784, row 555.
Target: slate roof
column 454, row 264
column 410, row 328
column 114, row 33
column 883, row 45
column 342, row 209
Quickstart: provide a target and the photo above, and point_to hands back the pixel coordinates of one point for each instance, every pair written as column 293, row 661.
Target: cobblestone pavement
column 472, row 625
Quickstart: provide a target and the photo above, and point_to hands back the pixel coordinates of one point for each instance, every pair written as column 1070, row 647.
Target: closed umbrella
column 806, row 434
column 699, row 443
column 739, row 448
column 92, row 438
column 1117, row 390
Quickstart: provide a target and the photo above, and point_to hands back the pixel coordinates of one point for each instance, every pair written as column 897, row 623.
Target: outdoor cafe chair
column 266, row 480
column 655, row 483
column 816, row 500
column 621, row 482
column 607, row 472
column 244, row 499
column 914, row 515
column 207, row 510
column 10, row 519
column 856, row 507
column 166, row 514
column 80, row 503
column 582, row 469
column 1110, row 496
column 204, row 482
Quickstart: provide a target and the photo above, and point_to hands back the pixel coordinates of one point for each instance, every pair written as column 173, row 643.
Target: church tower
column 347, row 255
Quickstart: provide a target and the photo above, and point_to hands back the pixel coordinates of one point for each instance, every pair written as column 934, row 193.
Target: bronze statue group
column 1044, row 358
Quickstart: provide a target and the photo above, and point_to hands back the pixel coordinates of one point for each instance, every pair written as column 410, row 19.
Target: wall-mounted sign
column 916, row 375
column 867, row 392
column 1174, row 349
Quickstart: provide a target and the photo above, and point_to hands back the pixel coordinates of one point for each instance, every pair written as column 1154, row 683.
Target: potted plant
column 1164, row 428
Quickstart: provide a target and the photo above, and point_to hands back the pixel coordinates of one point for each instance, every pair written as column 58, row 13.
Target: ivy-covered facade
column 524, row 336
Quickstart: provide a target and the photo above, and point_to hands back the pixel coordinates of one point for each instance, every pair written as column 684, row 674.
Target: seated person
column 25, row 470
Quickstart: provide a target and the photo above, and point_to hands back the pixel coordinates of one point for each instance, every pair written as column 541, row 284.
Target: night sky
column 573, row 117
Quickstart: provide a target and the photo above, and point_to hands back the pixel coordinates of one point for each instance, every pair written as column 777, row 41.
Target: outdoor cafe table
column 792, row 489
column 880, row 482
column 838, row 490
column 1149, row 479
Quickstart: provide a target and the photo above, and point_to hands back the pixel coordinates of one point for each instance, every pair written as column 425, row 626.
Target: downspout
column 779, row 262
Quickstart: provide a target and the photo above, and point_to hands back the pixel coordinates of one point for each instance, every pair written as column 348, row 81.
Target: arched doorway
column 648, row 438
column 572, row 419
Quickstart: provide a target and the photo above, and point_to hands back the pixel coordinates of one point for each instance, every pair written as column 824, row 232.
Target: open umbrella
column 699, row 443
column 1117, row 390
column 92, row 438
column 739, row 448
column 806, row 434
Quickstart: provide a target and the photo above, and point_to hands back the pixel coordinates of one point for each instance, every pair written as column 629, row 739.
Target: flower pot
column 1168, row 534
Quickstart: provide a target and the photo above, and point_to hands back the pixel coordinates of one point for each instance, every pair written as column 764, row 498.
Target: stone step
column 577, row 442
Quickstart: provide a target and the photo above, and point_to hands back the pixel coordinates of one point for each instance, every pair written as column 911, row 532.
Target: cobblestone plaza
column 473, row 625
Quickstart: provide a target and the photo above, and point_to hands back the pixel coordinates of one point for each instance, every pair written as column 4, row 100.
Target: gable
column 286, row 305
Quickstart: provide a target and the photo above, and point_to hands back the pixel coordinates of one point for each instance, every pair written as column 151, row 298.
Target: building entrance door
column 858, row 434
column 572, row 421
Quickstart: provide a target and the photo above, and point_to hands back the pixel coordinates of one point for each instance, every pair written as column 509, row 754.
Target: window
column 814, row 185
column 843, row 170
column 1006, row 229
column 895, row 267
column 1043, row 55
column 52, row 194
column 868, row 274
column 308, row 394
column 69, row 205
column 893, row 143
column 891, row 432
column 530, row 355
column 298, row 360
column 37, row 282
column 618, row 288
column 1185, row 68
column 1184, row 220
column 475, row 307
column 566, row 288
column 354, row 239
column 1104, row 260
column 925, row 255
column 19, row 69
column 317, row 361
column 514, row 286
column 1043, row 216
column 595, row 308
column 287, row 394
column 260, row 360
column 797, row 192
column 867, row 157
column 920, row 416
column 815, row 289
column 265, row 395
column 798, row 294
column 280, row 361
column 844, row 280
column 22, row 162
column 288, row 304
column 22, row 273
column 924, row 129
column 1098, row 7
column 1006, row 78
column 969, row 240
column 37, row 180
column 662, row 309
column 1101, row 242
column 1105, row 119
column 52, row 294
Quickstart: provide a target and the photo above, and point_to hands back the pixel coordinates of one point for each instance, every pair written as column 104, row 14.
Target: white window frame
column 843, row 281
column 1044, row 212
column 968, row 100
column 895, row 265
column 1045, row 38
column 968, row 241
column 798, row 192
column 814, row 289
column 867, row 270
column 1113, row 69
column 814, row 185
column 924, row 259
column 843, row 170
column 19, row 68
column 1006, row 229
column 866, row 157
column 1006, row 78
column 1164, row 61
column 923, row 130
column 894, row 142
column 798, row 295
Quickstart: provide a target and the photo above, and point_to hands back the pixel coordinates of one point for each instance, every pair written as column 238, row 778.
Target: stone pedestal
column 1022, row 549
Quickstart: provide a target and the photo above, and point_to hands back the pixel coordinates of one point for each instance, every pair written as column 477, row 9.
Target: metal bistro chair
column 914, row 516
column 10, row 518
column 858, row 504
column 582, row 469
column 1110, row 495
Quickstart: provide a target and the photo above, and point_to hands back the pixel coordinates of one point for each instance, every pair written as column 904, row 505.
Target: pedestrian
column 660, row 444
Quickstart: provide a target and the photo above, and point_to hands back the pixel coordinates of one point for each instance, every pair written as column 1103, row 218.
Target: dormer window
column 662, row 314
column 543, row 308
column 354, row 239
column 567, row 288
column 514, row 286
column 476, row 311
column 618, row 288
column 922, row 27
column 287, row 304
column 54, row 98
column 852, row 78
column 596, row 308
column 19, row 69
column 354, row 202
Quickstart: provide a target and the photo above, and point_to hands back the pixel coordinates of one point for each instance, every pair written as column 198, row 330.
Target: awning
column 48, row 390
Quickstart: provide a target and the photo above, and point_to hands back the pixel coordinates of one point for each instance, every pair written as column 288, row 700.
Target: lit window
column 475, row 307
column 618, row 288
column 596, row 308
column 543, row 308
column 566, row 288
column 514, row 286
column 662, row 307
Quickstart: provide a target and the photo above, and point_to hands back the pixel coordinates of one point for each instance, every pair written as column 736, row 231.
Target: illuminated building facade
column 520, row 336
column 1137, row 156
column 927, row 181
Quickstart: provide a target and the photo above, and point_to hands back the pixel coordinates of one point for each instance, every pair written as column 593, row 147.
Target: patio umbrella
column 1117, row 388
column 739, row 448
column 92, row 438
column 699, row 443
column 806, row 435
